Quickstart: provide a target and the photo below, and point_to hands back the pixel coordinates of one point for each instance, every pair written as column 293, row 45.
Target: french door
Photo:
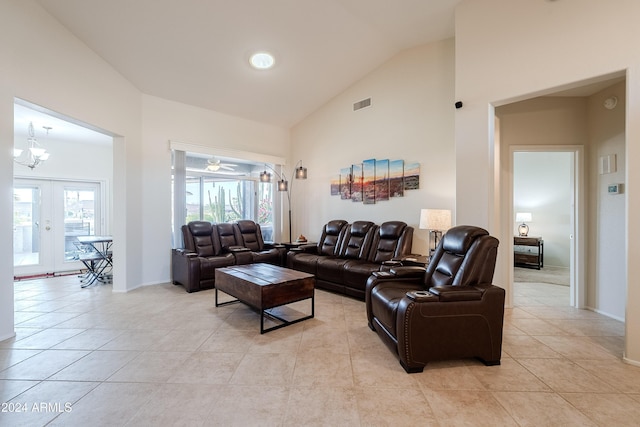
column 48, row 215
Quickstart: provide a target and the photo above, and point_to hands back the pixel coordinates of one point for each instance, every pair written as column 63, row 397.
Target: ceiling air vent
column 362, row 104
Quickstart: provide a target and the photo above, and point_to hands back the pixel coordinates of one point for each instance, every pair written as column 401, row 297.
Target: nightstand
column 528, row 252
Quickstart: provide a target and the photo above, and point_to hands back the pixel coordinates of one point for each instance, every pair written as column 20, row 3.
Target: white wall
column 72, row 161
column 608, row 273
column 165, row 121
column 512, row 50
column 411, row 118
column 542, row 186
column 46, row 65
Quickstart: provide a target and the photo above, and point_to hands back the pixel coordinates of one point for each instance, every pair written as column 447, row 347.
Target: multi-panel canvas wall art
column 376, row 180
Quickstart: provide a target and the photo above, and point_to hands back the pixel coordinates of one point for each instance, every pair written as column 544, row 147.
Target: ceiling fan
column 214, row 165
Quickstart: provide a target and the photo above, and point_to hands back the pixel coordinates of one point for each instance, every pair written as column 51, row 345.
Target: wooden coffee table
column 264, row 287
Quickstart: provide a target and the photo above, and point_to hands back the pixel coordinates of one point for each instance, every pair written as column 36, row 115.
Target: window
column 227, row 192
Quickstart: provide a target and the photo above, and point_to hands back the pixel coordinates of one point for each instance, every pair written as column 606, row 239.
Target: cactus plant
column 239, row 209
column 217, row 206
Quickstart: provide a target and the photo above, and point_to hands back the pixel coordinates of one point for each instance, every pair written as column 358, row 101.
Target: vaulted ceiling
column 196, row 51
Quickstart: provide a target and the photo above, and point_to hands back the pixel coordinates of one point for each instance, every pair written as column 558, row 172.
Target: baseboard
column 8, row 336
column 603, row 313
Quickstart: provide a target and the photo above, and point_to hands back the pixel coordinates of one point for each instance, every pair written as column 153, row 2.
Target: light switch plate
column 614, row 189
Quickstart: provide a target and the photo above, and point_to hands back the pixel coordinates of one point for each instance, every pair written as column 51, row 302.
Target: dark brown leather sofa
column 347, row 254
column 209, row 246
column 450, row 310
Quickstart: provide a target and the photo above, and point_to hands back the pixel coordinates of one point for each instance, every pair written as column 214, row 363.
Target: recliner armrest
column 408, row 272
column 236, row 249
column 184, row 252
column 310, row 248
column 457, row 293
column 242, row 255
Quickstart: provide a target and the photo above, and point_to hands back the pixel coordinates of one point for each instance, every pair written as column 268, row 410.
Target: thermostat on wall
column 614, row 189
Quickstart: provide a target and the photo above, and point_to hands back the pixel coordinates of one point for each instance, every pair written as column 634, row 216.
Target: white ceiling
column 196, row 51
column 60, row 128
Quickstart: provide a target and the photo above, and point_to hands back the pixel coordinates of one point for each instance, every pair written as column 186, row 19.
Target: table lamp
column 436, row 221
column 523, row 217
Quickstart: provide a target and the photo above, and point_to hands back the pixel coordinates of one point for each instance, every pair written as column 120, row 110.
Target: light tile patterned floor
column 160, row 356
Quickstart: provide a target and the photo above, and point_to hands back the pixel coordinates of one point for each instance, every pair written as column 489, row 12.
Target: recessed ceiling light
column 262, row 60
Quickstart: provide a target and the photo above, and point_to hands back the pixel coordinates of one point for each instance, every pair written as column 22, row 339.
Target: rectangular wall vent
column 362, row 104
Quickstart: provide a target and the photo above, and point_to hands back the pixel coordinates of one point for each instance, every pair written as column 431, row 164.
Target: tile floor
column 159, row 356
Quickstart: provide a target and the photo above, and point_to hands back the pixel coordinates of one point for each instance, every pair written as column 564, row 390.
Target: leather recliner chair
column 194, row 266
column 250, row 237
column 450, row 310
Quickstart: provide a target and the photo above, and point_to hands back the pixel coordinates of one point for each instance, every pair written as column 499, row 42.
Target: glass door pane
column 48, row 216
column 79, row 217
column 26, row 225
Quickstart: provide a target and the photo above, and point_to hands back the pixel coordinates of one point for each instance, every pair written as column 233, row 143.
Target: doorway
column 63, row 195
column 544, row 206
column 48, row 215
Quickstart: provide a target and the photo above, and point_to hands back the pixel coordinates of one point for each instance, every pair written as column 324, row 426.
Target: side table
column 292, row 245
column 528, row 252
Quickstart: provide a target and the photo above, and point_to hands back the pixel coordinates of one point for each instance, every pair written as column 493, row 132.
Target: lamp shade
column 301, row 173
column 523, row 217
column 265, row 176
column 435, row 219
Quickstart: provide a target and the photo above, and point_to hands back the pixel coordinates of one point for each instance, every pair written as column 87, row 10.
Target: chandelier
column 34, row 154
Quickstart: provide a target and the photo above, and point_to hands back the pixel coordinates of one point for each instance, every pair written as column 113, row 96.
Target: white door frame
column 52, row 233
column 577, row 244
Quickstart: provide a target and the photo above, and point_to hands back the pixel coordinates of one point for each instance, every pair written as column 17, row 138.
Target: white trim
column 226, row 152
column 630, row 361
column 610, row 316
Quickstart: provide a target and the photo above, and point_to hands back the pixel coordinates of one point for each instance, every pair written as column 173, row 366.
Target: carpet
column 553, row 275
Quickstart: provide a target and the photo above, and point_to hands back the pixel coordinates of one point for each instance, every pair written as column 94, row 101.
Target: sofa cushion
column 302, row 261
column 330, row 269
column 394, row 239
column 227, row 236
column 249, row 232
column 209, row 265
column 356, row 272
column 385, row 298
column 202, row 234
column 330, row 239
column 458, row 240
column 270, row 256
column 357, row 240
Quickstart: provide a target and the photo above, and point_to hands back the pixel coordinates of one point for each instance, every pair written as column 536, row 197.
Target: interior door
column 48, row 216
column 31, row 236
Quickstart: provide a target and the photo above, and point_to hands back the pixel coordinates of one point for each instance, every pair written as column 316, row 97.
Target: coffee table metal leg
column 285, row 322
column 226, row 302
